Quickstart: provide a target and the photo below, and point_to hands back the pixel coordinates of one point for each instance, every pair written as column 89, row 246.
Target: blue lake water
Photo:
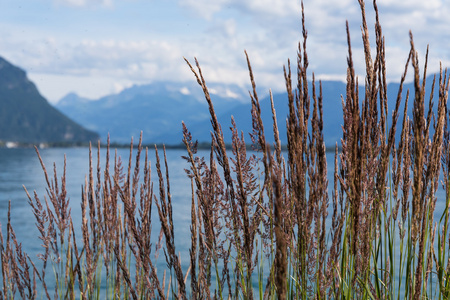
column 21, row 167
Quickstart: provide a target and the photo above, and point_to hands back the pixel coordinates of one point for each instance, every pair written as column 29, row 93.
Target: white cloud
column 56, row 86
column 90, row 57
column 326, row 19
column 268, row 29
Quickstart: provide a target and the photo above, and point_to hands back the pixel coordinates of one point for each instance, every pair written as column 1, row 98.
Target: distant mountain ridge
column 332, row 106
column 27, row 117
column 157, row 109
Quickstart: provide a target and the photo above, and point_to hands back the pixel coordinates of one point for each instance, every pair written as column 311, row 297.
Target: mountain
column 27, row 117
column 157, row 109
column 332, row 114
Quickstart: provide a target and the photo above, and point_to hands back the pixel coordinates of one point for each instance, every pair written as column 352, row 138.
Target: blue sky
column 99, row 47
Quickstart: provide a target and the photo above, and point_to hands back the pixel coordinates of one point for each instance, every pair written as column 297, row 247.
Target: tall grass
column 262, row 223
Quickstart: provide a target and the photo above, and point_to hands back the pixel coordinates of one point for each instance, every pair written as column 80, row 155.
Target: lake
column 21, row 167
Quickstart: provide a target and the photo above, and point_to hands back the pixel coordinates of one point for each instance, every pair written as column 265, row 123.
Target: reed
column 262, row 222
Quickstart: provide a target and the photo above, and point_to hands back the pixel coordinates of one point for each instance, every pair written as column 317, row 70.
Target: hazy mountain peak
column 156, row 108
column 72, row 98
column 185, row 91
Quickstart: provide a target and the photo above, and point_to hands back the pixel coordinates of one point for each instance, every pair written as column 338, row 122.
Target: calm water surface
column 21, row 167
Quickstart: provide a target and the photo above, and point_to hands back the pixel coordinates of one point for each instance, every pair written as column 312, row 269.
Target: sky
column 99, row 47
